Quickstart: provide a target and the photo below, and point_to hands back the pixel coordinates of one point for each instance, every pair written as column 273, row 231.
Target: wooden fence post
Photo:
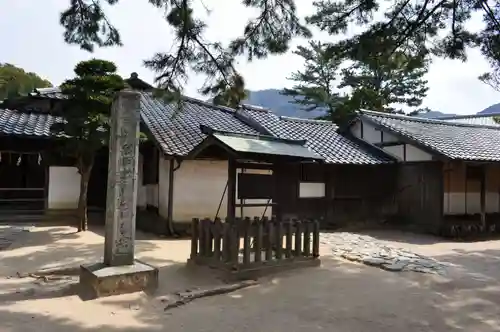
column 315, row 238
column 307, row 237
column 235, row 241
column 258, row 239
column 226, row 242
column 279, row 237
column 218, row 233
column 207, row 235
column 289, row 240
column 247, row 223
column 298, row 238
column 269, row 240
column 201, row 237
column 194, row 237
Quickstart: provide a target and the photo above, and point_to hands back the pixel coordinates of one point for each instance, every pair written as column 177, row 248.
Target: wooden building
column 449, row 169
column 280, row 166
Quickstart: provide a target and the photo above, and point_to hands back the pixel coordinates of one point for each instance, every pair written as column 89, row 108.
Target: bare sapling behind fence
column 246, row 243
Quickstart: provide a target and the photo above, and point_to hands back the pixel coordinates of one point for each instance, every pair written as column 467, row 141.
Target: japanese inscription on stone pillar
column 121, row 197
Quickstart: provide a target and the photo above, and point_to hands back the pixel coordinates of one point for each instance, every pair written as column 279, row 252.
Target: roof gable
column 177, row 130
column 462, row 141
column 321, row 136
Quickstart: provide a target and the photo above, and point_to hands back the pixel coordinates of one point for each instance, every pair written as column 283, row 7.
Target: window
column 311, row 189
column 311, row 184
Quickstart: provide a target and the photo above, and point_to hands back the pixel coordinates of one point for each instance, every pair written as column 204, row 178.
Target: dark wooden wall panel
column 420, row 195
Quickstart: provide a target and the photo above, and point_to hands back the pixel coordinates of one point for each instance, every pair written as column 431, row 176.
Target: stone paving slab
column 369, row 251
column 8, row 234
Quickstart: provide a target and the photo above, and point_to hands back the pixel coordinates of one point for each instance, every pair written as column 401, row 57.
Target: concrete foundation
column 100, row 280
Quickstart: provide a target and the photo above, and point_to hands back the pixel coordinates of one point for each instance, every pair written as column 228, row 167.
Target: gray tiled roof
column 475, row 119
column 14, row 122
column 54, row 93
column 453, row 140
column 178, row 130
column 321, row 137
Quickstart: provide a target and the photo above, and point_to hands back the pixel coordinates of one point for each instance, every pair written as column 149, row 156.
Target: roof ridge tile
column 424, row 120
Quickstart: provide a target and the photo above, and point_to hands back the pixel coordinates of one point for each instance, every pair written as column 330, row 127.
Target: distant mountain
column 279, row 104
column 283, row 105
column 495, row 108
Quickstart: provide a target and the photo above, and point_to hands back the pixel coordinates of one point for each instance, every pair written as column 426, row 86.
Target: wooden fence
column 247, row 245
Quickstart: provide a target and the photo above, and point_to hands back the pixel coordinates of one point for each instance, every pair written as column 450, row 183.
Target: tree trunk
column 85, row 171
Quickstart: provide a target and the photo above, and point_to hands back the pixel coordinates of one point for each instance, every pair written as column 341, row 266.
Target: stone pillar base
column 99, row 280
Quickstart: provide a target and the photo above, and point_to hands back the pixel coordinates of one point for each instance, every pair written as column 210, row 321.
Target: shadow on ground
column 337, row 296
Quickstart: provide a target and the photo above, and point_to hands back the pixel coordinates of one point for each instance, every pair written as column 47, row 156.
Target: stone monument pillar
column 120, row 272
column 121, row 200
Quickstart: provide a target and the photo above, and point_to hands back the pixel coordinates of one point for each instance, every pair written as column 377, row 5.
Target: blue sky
column 32, row 39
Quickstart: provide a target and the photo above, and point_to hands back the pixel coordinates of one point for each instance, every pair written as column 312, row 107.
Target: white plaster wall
column 415, row 154
column 370, row 134
column 198, row 188
column 455, row 203
column 396, row 150
column 389, row 138
column 64, row 187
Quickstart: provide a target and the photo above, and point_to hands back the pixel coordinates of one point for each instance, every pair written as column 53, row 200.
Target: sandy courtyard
column 339, row 296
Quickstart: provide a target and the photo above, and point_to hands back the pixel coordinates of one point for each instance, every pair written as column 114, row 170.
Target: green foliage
column 14, row 81
column 270, row 32
column 228, row 94
column 410, row 27
column 86, row 113
column 375, row 83
column 87, row 108
column 420, row 26
column 496, row 119
column 316, row 85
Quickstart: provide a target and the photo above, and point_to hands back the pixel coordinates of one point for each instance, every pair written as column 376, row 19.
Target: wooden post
column 246, row 240
column 315, row 250
column 235, row 241
column 298, row 238
column 201, row 239
column 218, row 233
column 289, row 240
column 269, row 240
column 207, row 235
column 231, row 190
column 226, row 242
column 194, row 237
column 483, row 197
column 279, row 237
column 307, row 237
column 258, row 239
